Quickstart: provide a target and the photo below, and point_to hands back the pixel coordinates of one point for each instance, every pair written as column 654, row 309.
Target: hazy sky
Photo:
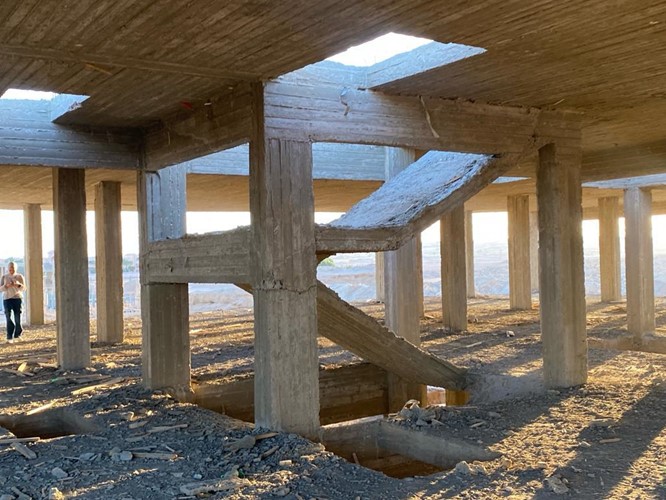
column 488, row 228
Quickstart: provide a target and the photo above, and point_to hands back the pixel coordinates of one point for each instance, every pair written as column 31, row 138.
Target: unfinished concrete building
column 165, row 107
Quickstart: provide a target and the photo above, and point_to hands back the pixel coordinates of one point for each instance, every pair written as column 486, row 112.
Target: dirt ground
column 606, row 439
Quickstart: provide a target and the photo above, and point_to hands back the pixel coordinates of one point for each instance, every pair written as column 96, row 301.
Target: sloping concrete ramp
column 352, row 329
column 411, row 201
column 361, row 334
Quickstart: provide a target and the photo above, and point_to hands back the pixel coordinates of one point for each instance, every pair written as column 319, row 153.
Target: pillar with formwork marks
column 520, row 283
column 379, row 276
column 283, row 260
column 71, row 268
column 561, row 278
column 34, row 268
column 161, row 200
column 454, row 270
column 469, row 254
column 419, row 274
column 109, row 262
column 639, row 262
column 534, row 251
column 404, row 303
column 609, row 248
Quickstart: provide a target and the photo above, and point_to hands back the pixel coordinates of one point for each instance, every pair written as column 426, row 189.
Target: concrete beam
column 123, row 62
column 639, row 262
column 609, row 248
column 327, row 113
column 202, row 258
column 224, row 123
column 454, row 271
column 329, row 161
column 561, row 283
column 34, row 264
column 164, row 307
column 520, row 283
column 71, row 269
column 109, row 263
column 28, row 137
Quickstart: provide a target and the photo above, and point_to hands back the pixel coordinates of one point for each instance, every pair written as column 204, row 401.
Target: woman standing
column 12, row 285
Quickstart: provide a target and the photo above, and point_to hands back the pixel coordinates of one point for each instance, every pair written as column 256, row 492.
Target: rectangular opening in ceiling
column 379, row 49
column 384, row 60
column 31, row 95
column 393, row 56
column 59, row 106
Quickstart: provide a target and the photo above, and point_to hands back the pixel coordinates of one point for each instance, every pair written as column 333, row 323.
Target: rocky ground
column 606, row 439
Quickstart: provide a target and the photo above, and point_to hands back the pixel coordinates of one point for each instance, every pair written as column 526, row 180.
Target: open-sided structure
column 553, row 92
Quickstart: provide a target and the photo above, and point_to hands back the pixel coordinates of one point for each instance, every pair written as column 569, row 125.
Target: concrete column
column 71, row 268
column 639, row 262
column 469, row 254
column 166, row 363
column 419, row 275
column 454, row 272
column 286, row 394
column 403, row 280
column 379, row 276
column 561, row 283
column 520, row 283
column 34, row 269
column 534, row 251
column 609, row 248
column 109, row 263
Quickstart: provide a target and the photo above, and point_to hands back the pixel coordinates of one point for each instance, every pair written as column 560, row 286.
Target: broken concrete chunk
column 58, row 473
column 463, row 468
column 470, row 469
column 557, row 485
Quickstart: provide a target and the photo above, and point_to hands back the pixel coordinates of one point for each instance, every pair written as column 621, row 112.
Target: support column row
column 454, row 272
column 520, row 283
column 161, row 200
column 404, row 291
column 561, row 277
column 71, row 268
column 639, row 262
column 34, row 264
